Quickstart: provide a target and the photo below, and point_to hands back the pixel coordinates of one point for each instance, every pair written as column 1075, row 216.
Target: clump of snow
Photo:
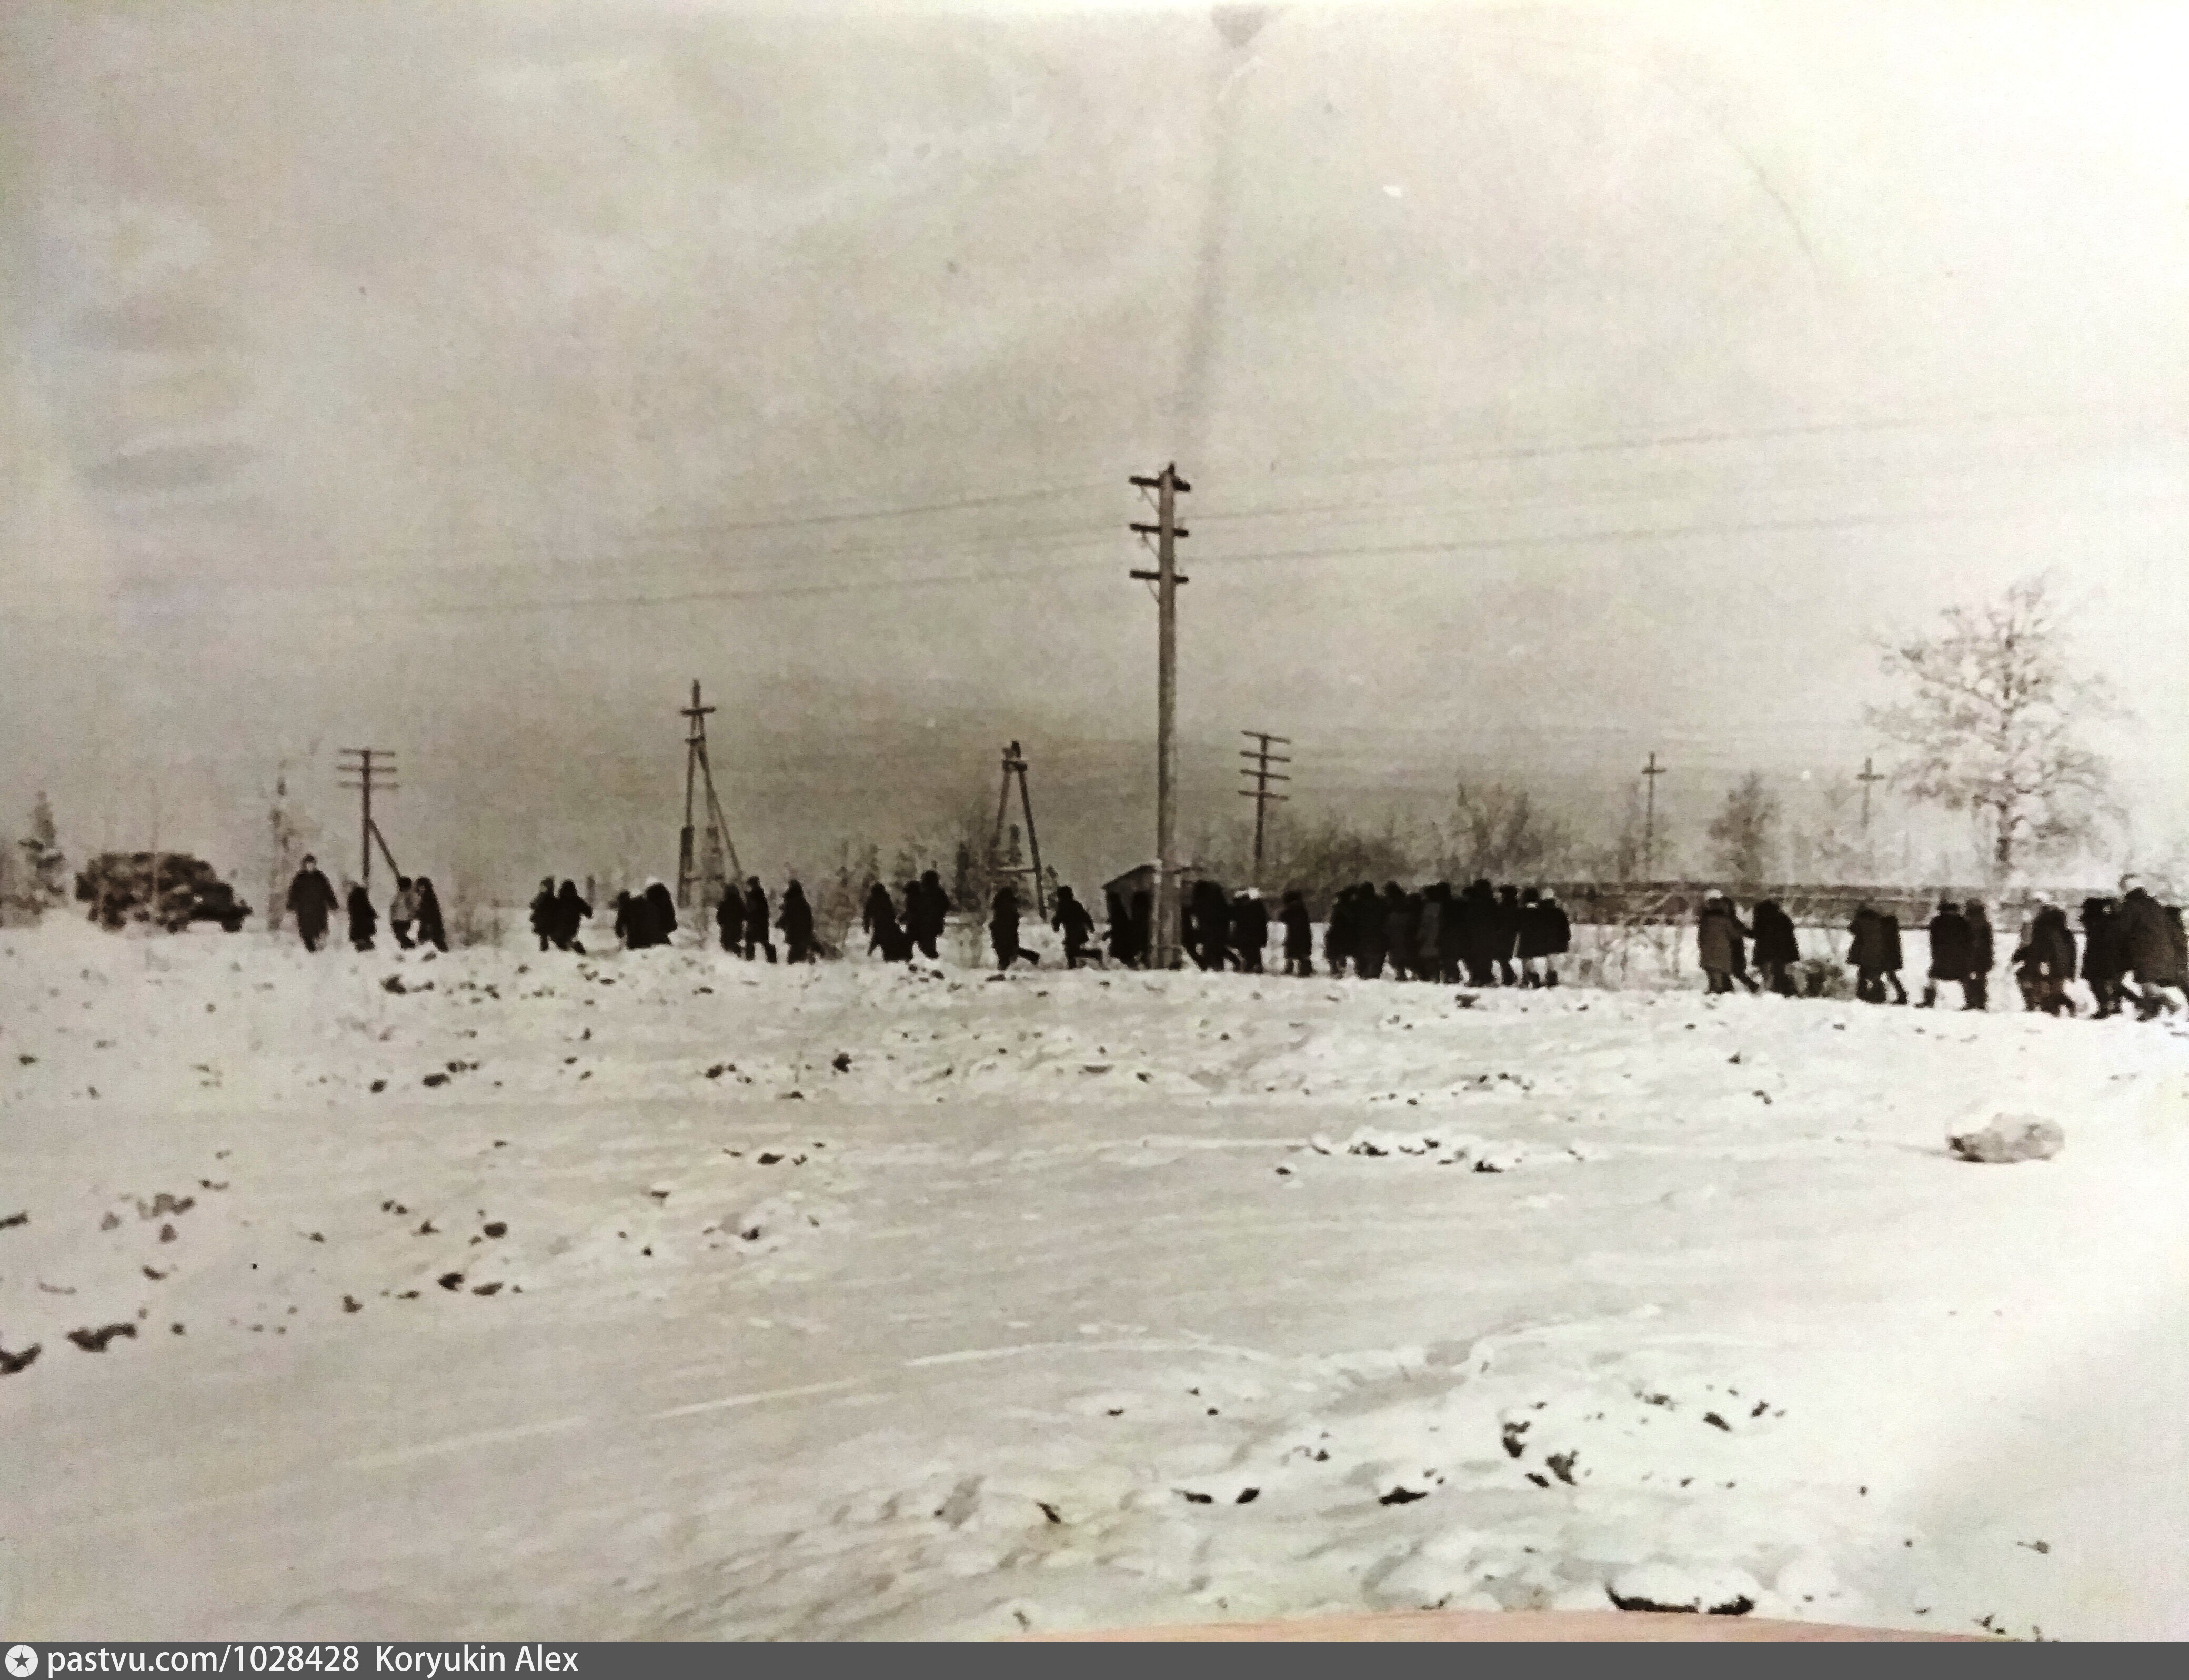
column 1661, row 1586
column 2008, row 1137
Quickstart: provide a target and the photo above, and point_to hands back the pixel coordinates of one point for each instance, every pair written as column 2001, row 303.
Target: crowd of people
column 2132, row 951
column 414, row 915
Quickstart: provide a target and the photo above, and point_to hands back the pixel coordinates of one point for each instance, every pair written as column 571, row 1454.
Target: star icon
column 22, row 1662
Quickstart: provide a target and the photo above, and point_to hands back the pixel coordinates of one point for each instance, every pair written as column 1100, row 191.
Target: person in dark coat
column 1337, row 932
column 1452, row 934
column 756, row 921
column 2045, row 960
column 1072, row 920
column 2147, row 942
column 1004, row 931
column 1144, row 929
column 1719, row 933
column 730, row 918
column 404, row 911
column 925, row 913
column 1890, row 926
column 571, row 912
column 543, row 912
column 431, row 930
column 1776, row 947
column 1977, row 989
column 1189, row 930
column 876, row 910
column 1478, row 916
column 2103, row 955
column 1428, row 931
column 311, row 902
column 662, row 920
column 1368, row 950
column 363, row 919
column 1299, row 934
column 1211, row 945
column 1949, row 952
column 1401, row 916
column 1250, row 930
column 1508, row 933
column 796, row 922
column 1532, row 945
column 1117, row 928
column 1866, row 955
column 1560, row 936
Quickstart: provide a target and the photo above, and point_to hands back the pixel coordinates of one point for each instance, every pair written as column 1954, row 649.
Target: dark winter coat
column 1509, row 923
column 664, row 913
column 1718, row 937
column 543, row 910
column 755, row 913
column 311, row 901
column 1536, row 929
column 1072, row 920
column 1299, row 929
column 1428, row 931
column 2150, row 947
column 1250, row 925
column 729, row 916
column 1867, row 947
column 1892, row 929
column 430, row 928
column 363, row 919
column 1775, row 938
column 571, row 911
column 1400, row 919
column 1557, row 929
column 878, row 909
column 1451, row 926
column 1478, row 924
column 2051, row 947
column 2105, row 954
column 796, row 920
column 1950, row 946
column 1982, row 955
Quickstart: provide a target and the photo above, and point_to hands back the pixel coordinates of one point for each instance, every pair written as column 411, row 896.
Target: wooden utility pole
column 1869, row 852
column 1014, row 766
column 1167, row 532
column 699, row 774
column 373, row 770
column 1263, row 775
column 1653, row 770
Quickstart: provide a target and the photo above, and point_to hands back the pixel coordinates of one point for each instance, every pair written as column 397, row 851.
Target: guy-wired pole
column 1168, row 486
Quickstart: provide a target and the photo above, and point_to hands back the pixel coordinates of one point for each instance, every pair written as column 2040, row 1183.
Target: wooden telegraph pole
column 1263, row 775
column 1869, row 852
column 699, row 773
column 1015, row 767
column 373, row 770
column 1653, row 770
column 1167, row 532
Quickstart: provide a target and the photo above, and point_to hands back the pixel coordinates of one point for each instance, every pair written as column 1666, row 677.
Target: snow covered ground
column 663, row 1295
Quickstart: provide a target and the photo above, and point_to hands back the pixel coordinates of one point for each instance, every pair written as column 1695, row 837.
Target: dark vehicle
column 118, row 885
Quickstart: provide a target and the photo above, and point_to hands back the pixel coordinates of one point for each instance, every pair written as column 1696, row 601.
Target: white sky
column 1556, row 382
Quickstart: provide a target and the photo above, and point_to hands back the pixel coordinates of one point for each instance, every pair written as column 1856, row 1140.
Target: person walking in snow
column 1337, row 932
column 1776, row 947
column 1479, row 937
column 1977, row 990
column 431, row 930
column 730, row 918
column 2044, row 958
column 1949, row 952
column 756, row 923
column 1890, row 927
column 543, row 912
column 1250, row 930
column 1299, row 934
column 2149, row 948
column 1866, row 955
column 363, row 919
column 404, row 911
column 796, row 922
column 1716, row 941
column 311, row 902
column 925, row 912
column 1402, row 920
column 1507, row 924
column 1531, row 946
column 572, row 912
column 1071, row 920
column 1004, row 931
column 1559, row 936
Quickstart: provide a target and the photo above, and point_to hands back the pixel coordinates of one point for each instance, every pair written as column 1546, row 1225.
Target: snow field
column 854, row 1302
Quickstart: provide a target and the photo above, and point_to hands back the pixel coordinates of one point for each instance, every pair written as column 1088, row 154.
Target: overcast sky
column 1557, row 383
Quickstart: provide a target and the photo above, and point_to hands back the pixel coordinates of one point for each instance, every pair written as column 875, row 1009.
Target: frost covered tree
column 1502, row 834
column 1744, row 835
column 45, row 870
column 1992, row 724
